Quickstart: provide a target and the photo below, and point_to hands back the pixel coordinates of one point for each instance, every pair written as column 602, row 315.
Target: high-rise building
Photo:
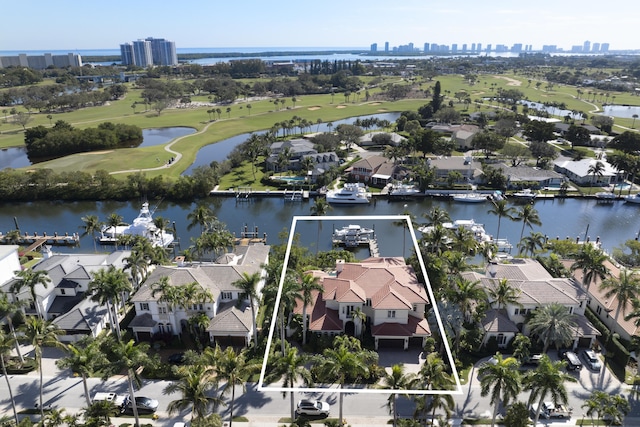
column 595, row 47
column 454, row 48
column 386, row 46
column 464, row 47
column 41, row 62
column 479, row 47
column 517, row 48
column 163, row 51
column 126, row 54
column 142, row 56
column 374, row 47
column 604, row 47
column 586, row 47
column 426, row 47
column 489, row 47
column 473, row 47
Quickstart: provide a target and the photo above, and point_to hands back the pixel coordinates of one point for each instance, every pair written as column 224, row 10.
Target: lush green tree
column 194, row 383
column 248, row 284
column 107, row 287
column 531, row 243
column 503, row 294
column 8, row 311
column 501, row 209
column 598, row 168
column 349, row 134
column 578, row 135
column 320, row 207
column 396, row 380
column 605, row 123
column 7, row 343
column 624, row 289
column 627, row 141
column 436, row 216
column 307, row 284
column 529, row 216
column 537, row 130
column 467, row 295
column 200, row 216
column 91, row 226
column 590, row 260
column 501, row 380
column 290, row 368
column 548, row 379
column 40, row 333
column 31, row 279
column 84, row 358
column 553, row 324
column 517, row 415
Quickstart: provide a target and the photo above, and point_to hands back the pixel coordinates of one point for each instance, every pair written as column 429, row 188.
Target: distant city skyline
column 62, row 25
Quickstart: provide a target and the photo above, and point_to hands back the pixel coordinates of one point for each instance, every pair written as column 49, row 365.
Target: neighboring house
column 295, row 149
column 322, row 162
column 461, row 135
column 386, row 290
column 65, row 301
column 470, row 169
column 366, row 140
column 230, row 321
column 376, row 170
column 536, row 288
column 523, row 176
column 578, row 172
column 605, row 308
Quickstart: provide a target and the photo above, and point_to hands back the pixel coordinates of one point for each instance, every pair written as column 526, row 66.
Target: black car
column 176, row 359
column 573, row 362
column 145, row 405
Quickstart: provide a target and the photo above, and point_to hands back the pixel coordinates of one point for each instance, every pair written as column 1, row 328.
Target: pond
column 219, row 151
column 622, row 111
column 551, row 110
column 16, row 157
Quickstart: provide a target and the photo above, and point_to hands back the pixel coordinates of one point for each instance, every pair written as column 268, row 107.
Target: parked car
column 573, row 362
column 176, row 359
column 549, row 410
column 313, row 407
column 534, row 360
column 591, row 360
column 145, row 405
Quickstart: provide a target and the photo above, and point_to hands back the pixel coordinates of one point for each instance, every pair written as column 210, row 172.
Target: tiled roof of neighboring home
column 388, row 298
column 321, row 318
column 82, row 318
column 527, row 173
column 143, row 321
column 343, row 290
column 177, row 276
column 497, row 321
column 231, row 320
column 371, row 162
column 414, row 327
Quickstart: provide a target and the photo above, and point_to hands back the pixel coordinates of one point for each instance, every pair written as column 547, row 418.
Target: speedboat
column 142, row 225
column 632, row 198
column 605, row 196
column 525, row 194
column 351, row 193
column 470, row 197
column 404, row 190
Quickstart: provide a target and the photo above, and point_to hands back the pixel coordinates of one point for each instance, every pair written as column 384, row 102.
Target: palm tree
column 113, row 221
column 437, row 216
column 91, row 225
column 131, row 357
column 308, row 283
column 501, row 380
column 531, row 243
column 503, row 294
column 248, row 284
column 597, row 168
column 404, row 223
column 596, row 403
column 291, row 368
column 136, row 262
column 359, row 318
column 548, row 378
column 6, row 345
column 529, row 217
column 501, row 209
column 467, row 294
column 553, row 323
column 40, row 333
column 105, row 287
column 84, row 358
column 234, row 369
column 30, row 278
column 200, row 216
column 625, row 289
column 8, row 310
column 320, row 208
column 591, row 260
column 54, row 418
column 193, row 383
column 397, row 379
column 346, row 360
column 633, row 124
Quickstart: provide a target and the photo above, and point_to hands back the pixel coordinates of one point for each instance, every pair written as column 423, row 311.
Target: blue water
column 623, row 111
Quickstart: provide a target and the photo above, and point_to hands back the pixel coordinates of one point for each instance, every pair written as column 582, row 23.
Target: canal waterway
column 561, row 218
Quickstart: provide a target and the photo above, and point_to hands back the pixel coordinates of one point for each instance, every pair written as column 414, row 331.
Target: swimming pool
column 291, row 179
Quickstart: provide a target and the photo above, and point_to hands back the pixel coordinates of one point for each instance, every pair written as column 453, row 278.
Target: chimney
column 339, row 266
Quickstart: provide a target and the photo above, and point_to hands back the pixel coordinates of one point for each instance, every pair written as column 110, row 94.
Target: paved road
column 265, row 408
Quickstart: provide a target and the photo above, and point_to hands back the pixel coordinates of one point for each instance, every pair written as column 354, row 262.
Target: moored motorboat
column 525, row 194
column 353, row 235
column 351, row 193
column 472, row 197
column 632, row 198
column 143, row 225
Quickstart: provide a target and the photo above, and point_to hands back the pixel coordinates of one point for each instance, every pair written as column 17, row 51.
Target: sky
column 76, row 24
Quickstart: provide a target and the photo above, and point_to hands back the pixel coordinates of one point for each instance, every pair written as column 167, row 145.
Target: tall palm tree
column 131, row 357
column 248, row 284
column 320, row 207
column 200, row 216
column 501, row 209
column 91, row 225
column 138, row 264
column 396, row 380
column 596, row 404
column 501, row 380
column 345, row 361
column 503, row 294
column 591, row 260
column 114, row 220
column 291, row 368
column 6, row 345
column 531, row 243
column 529, row 217
column 234, row 369
column 30, row 278
column 8, row 310
column 548, row 379
column 625, row 289
column 40, row 333
column 598, row 169
column 360, row 317
column 194, row 383
column 467, row 294
column 106, row 287
column 437, row 216
column 307, row 284
column 553, row 324
column 84, row 358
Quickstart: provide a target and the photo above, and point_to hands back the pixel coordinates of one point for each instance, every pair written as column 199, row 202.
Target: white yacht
column 632, row 198
column 142, row 226
column 351, row 193
column 525, row 195
column 472, row 197
column 353, row 235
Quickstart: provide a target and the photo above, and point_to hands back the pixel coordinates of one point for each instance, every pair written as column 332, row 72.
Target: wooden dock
column 243, row 194
column 373, row 248
column 248, row 237
column 36, row 240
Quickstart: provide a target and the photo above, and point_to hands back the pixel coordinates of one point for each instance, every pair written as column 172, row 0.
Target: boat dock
column 248, row 237
column 295, row 195
column 35, row 240
column 373, row 248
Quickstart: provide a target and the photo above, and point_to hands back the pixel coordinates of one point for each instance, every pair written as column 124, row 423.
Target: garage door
column 390, row 343
column 230, row 341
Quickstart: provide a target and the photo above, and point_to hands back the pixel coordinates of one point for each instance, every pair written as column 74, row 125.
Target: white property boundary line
column 407, row 218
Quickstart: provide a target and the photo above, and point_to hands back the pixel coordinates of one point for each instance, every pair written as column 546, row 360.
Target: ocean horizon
column 184, row 50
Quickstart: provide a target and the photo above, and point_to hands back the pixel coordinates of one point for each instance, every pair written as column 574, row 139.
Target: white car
column 591, row 360
column 313, row 407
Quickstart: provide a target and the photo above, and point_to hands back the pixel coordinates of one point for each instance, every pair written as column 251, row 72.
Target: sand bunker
column 382, row 109
column 375, row 103
column 510, row 81
column 341, row 106
column 96, row 152
column 313, row 108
